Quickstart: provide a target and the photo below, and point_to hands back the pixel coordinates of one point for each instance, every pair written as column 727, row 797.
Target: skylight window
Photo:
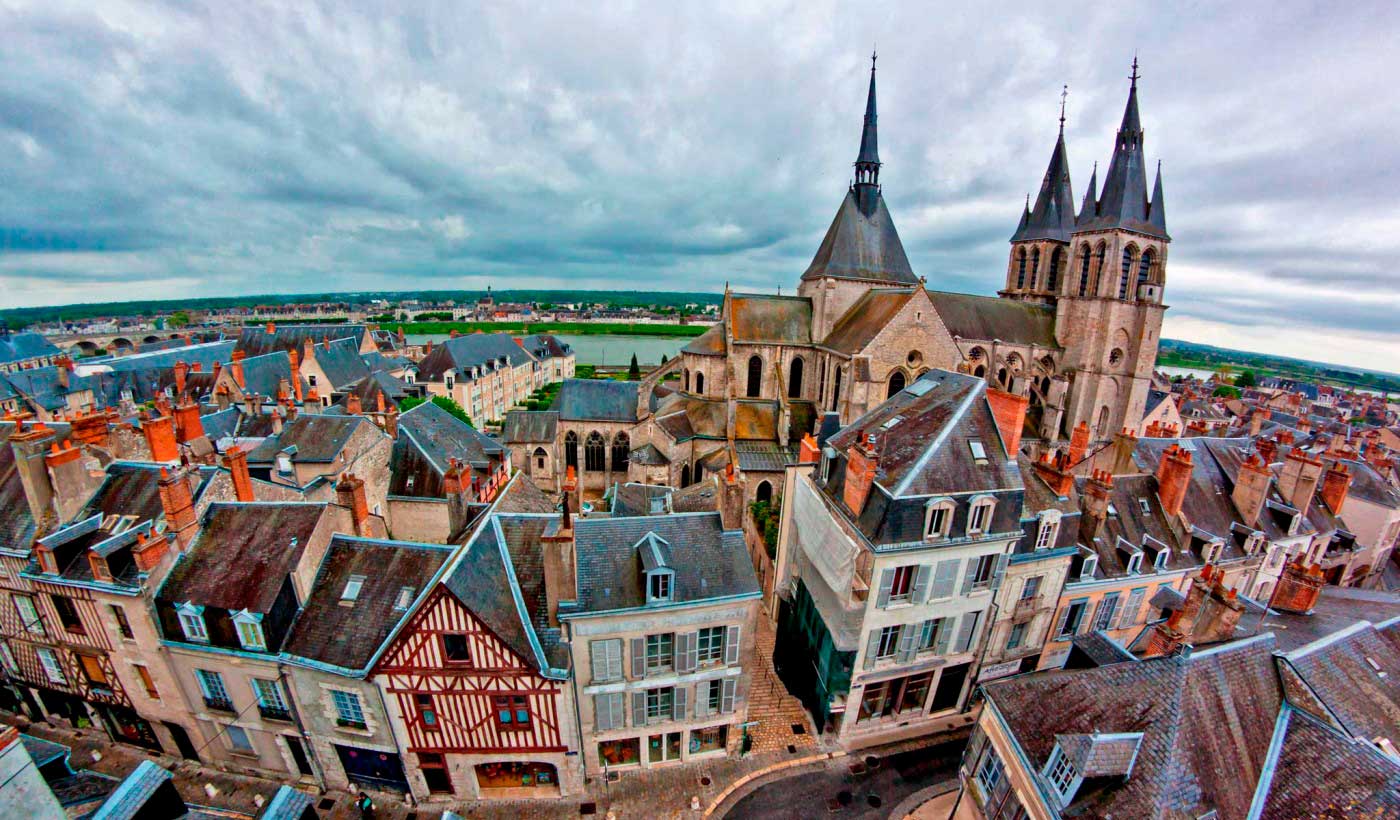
column 979, row 452
column 352, row 588
column 1146, row 507
column 405, row 598
column 894, row 422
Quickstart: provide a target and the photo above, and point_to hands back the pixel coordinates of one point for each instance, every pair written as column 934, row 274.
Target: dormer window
column 1135, row 563
column 828, row 457
column 192, row 622
column 1160, row 562
column 979, row 516
column 284, row 462
column 655, row 555
column 1060, row 771
column 250, row 631
column 1049, row 529
column 1211, row 552
column 659, row 587
column 939, row 518
column 1091, row 565
column 352, row 589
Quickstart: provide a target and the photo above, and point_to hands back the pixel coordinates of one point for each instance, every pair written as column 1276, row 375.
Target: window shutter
column 1002, row 561
column 886, row 585
column 598, row 658
column 679, row 652
column 965, row 630
column 908, row 639
column 871, row 647
column 692, row 651
column 614, row 659
column 1129, row 615
column 921, row 583
column 969, row 576
column 639, row 657
column 639, row 708
column 702, row 697
column 945, row 635
column 1064, row 619
column 944, row 579
column 726, row 700
column 602, row 713
column 678, row 702
column 731, row 645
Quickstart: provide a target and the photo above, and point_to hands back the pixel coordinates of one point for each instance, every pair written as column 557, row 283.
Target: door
column 950, row 686
column 294, row 745
column 377, row 770
column 182, row 740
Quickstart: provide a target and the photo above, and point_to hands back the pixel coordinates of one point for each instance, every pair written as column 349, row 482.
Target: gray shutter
column 681, row 654
column 726, row 698
column 886, row 585
column 1002, row 561
column 1129, row 614
column 908, row 640
column 969, row 575
column 731, row 645
column 639, row 708
column 702, row 697
column 692, row 650
column 871, row 647
column 597, row 656
column 945, row 578
column 921, row 579
column 945, row 636
column 1064, row 619
column 969, row 623
column 602, row 713
column 639, row 657
column 678, row 702
column 615, row 659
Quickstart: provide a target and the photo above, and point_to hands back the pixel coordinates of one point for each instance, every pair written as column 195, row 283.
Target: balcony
column 275, row 712
column 219, row 704
column 1026, row 606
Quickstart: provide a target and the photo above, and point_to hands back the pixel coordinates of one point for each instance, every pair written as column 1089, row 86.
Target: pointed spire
column 1053, row 214
column 868, row 160
column 1124, row 201
column 1090, row 208
column 1157, row 211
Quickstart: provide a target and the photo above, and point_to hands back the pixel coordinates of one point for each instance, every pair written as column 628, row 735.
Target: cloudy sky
column 151, row 150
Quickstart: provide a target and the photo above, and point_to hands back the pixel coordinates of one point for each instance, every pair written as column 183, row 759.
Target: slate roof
column 533, row 426
column 1053, row 214
column 242, row 555
column 318, row 437
column 256, row 341
column 710, row 562
column 378, row 362
column 635, row 499
column 985, row 318
column 1124, row 203
column 597, row 400
column 349, row 634
column 648, row 455
column 129, row 800
column 474, row 350
column 871, row 313
column 764, row 456
column 340, row 361
column 683, row 417
column 429, row 438
column 1319, row 773
column 25, row 345
column 1357, row 674
column 862, row 247
column 263, row 374
column 1128, row 521
column 206, row 355
column 756, row 319
column 709, row 343
column 521, row 495
column 1369, row 485
column 546, row 346
column 288, row 804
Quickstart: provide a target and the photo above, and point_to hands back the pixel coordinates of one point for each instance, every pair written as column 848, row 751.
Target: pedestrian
column 365, row 805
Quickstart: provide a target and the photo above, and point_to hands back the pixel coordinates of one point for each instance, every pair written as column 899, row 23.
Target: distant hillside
column 1174, row 352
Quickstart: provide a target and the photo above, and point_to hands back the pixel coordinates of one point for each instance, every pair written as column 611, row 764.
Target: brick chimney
column 1094, row 505
column 1122, row 451
column 1257, row 419
column 1219, row 612
column 296, row 373
column 1078, row 443
column 1251, row 489
column 1298, row 480
column 1173, row 477
column 160, row 437
column 177, row 499
column 807, row 450
column 188, row 425
column 236, row 460
column 311, row 403
column 560, row 569
column 452, row 479
column 1054, row 469
column 1335, row 483
column 350, row 493
column 1009, row 410
column 31, row 445
column 1166, row 637
column 352, row 404
column 391, row 421
column 1285, row 437
column 150, row 551
column 271, row 328
column 1268, row 450
column 91, row 428
column 1298, row 588
column 862, row 463
column 182, row 369
column 236, row 366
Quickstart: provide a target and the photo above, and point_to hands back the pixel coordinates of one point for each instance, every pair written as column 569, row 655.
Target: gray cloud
column 199, row 149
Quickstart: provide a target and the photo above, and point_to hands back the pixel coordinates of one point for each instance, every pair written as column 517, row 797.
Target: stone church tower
column 1103, row 273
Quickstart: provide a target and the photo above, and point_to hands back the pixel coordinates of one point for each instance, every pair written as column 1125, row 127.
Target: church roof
column 1123, row 203
column 988, row 317
column 758, row 319
column 709, row 343
column 866, row 318
column 1053, row 214
column 863, row 247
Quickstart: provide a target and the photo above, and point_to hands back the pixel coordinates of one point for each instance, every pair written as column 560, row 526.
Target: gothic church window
column 755, row 376
column 1084, row 271
column 1021, row 268
column 593, row 452
column 1052, row 278
column 1126, row 273
column 795, row 378
column 1145, row 268
column 571, row 449
column 621, row 446
column 1035, row 266
column 897, row 382
column 699, row 383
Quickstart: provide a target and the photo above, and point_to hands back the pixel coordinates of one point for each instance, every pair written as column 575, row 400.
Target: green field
column 572, row 328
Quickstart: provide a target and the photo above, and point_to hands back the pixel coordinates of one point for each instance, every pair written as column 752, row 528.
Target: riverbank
column 571, row 328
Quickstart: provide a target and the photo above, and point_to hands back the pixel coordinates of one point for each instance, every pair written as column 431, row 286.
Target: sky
column 152, row 150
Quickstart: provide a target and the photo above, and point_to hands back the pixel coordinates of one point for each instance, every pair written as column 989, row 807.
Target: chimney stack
column 296, row 373
column 862, row 463
column 1053, row 468
column 1078, row 443
column 1298, row 588
column 160, row 437
column 236, row 460
column 391, row 421
column 1268, row 450
column 149, row 551
column 1009, row 410
column 350, row 493
column 352, row 404
column 271, row 328
column 182, row 369
column 1173, row 477
column 188, row 424
column 1335, row 484
column 1094, row 505
column 1257, row 419
column 236, row 365
column 1251, row 489
column 1122, row 450
column 1298, row 479
column 560, row 570
column 807, row 450
column 452, row 479
column 177, row 499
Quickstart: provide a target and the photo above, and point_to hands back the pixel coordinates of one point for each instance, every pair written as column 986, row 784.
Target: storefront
column 128, row 727
column 516, row 775
column 372, row 769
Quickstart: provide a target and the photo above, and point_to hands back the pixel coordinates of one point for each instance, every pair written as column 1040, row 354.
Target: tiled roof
column 1319, row 773
column 764, row 456
column 16, row 347
column 256, row 341
column 709, row 343
column 1357, row 674
column 857, row 246
column 263, row 374
column 521, row 495
column 340, row 361
column 348, row 634
column 474, row 350
column 757, row 319
column 597, row 400
column 318, row 437
column 534, row 426
column 429, row 438
column 985, row 318
column 871, row 313
column 546, row 346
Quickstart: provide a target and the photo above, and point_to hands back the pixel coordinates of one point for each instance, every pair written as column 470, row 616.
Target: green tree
column 1247, row 379
column 1226, row 391
column 179, row 318
column 634, row 371
column 409, row 402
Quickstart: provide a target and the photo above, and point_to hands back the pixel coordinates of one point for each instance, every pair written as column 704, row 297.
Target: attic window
column 659, row 586
column 979, row 452
column 1160, row 562
column 1091, row 565
column 1146, row 507
column 1059, row 769
column 405, row 598
column 1135, row 563
column 658, row 505
column 352, row 588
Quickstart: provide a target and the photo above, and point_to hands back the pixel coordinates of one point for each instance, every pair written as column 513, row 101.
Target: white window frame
column 340, row 699
column 353, row 586
column 1049, row 529
column 1160, row 562
column 1091, row 565
column 935, row 506
column 405, row 599
column 1061, row 774
column 192, row 622
column 33, row 624
column 248, row 625
column 269, row 693
column 893, row 640
column 1135, row 564
column 990, row 772
column 7, row 659
column 53, row 670
column 979, row 515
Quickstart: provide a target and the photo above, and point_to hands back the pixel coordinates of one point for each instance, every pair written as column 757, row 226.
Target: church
column 1074, row 331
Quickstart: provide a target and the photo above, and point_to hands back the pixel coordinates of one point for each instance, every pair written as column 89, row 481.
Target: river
column 1185, row 371
column 603, row 350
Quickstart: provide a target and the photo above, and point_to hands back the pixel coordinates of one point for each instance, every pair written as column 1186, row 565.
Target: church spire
column 1053, row 214
column 1124, row 201
column 868, row 160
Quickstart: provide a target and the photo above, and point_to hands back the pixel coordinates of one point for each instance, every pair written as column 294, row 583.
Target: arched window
column 1098, row 268
column 1127, row 273
column 540, row 457
column 685, row 379
column 821, row 381
column 621, row 446
column 1052, row 279
column 1084, row 270
column 836, row 390
column 1145, row 268
column 595, row 453
column 1035, row 266
column 1021, row 268
column 795, row 378
column 1001, row 377
column 699, row 472
column 979, row 371
column 1103, row 422
column 571, row 449
column 755, row 376
column 897, row 382
column 699, row 383
column 685, row 475
column 764, row 492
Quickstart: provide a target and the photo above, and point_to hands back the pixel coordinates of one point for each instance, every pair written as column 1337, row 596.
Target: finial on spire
column 873, row 55
column 1064, row 95
column 1135, row 75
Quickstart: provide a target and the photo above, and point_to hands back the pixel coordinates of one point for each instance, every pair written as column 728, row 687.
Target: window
column 238, row 739
column 7, row 660
column 1108, row 607
column 123, row 625
column 212, row 685
column 1052, row 282
column 699, row 383
column 795, row 378
column 979, row 518
column 271, row 704
column 1160, row 562
column 989, row 773
column 1084, row 270
column 940, row 515
column 1061, row 772
column 1031, row 588
column 192, row 621
column 68, row 615
column 660, row 703
column 660, row 653
column 145, row 675
column 982, row 571
column 929, row 633
column 250, row 633
column 571, row 449
column 710, row 646
column 888, row 643
column 93, row 671
column 1045, row 536
column 712, row 739
column 659, row 586
column 52, row 670
column 594, row 452
column 606, row 658
column 890, row 697
column 624, row 752
column 1127, row 273
column 512, row 712
column 979, row 450
column 898, row 381
column 902, row 588
column 755, row 377
column 347, row 709
column 29, row 614
column 1017, row 635
column 455, row 649
column 621, row 449
column 1091, row 566
column 1135, row 563
column 427, row 715
column 352, row 588
column 405, row 598
column 711, row 696
column 608, row 710
column 1071, row 618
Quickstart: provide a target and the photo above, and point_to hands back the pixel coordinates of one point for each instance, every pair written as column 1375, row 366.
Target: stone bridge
column 126, row 341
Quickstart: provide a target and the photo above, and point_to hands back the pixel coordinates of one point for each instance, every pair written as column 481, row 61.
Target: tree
column 1226, row 391
column 634, row 371
column 409, row 402
column 1247, row 379
column 663, row 358
column 179, row 318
